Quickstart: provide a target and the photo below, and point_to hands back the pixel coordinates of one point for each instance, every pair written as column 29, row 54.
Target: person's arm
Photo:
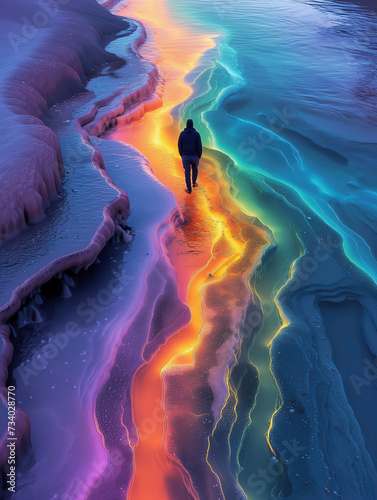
column 199, row 145
column 180, row 144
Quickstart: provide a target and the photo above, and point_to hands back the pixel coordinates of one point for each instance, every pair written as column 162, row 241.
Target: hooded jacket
column 190, row 143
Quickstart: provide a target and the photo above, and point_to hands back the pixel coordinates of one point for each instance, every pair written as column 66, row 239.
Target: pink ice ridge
column 41, row 70
column 26, row 100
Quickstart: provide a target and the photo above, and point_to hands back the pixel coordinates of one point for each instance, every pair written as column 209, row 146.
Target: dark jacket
column 190, row 143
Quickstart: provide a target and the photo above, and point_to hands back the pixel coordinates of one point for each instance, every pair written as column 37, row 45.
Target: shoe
column 195, row 184
column 187, row 191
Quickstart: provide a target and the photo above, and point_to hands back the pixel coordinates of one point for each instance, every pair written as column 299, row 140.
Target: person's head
column 190, row 123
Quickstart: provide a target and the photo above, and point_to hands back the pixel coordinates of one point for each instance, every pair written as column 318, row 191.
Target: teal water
column 289, row 94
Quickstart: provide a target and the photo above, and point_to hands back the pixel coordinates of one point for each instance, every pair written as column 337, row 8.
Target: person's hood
column 189, row 130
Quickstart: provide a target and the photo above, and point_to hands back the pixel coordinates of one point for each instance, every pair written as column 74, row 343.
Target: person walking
column 190, row 149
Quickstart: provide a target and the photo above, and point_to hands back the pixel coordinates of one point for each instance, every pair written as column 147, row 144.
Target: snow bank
column 43, row 63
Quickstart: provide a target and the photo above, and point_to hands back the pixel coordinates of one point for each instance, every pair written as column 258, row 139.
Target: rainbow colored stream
column 183, row 391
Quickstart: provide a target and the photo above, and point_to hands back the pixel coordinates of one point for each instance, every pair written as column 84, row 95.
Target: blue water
column 298, row 104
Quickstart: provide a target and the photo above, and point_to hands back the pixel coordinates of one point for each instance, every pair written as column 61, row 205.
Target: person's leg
column 187, row 166
column 195, row 166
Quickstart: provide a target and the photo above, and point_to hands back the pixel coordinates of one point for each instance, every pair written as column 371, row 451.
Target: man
column 190, row 149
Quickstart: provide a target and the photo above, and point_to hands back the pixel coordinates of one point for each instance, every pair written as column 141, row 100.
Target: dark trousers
column 188, row 162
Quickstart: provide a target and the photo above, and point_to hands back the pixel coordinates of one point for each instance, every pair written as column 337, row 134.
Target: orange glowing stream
column 203, row 251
